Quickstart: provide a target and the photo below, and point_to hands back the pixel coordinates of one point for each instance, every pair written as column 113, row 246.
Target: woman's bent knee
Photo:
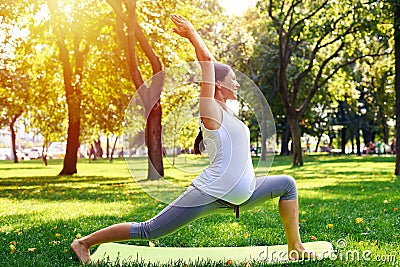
column 291, row 188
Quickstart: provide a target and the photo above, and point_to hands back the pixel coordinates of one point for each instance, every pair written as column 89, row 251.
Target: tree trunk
column 383, row 121
column 344, row 139
column 72, row 84
column 44, row 153
column 98, row 148
column 92, row 153
column 113, row 149
column 385, row 131
column 263, row 128
column 13, row 138
column 130, row 33
column 352, row 144
column 296, row 141
column 332, row 135
column 108, row 149
column 396, row 8
column 71, row 156
column 367, row 136
column 153, row 135
column 257, row 144
column 318, row 141
column 285, row 139
column 358, row 143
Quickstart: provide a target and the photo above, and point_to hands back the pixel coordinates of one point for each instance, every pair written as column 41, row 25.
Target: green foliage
column 31, row 75
column 47, row 106
column 108, row 88
column 15, row 80
column 180, row 115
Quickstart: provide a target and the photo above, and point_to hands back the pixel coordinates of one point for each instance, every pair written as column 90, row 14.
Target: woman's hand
column 183, row 27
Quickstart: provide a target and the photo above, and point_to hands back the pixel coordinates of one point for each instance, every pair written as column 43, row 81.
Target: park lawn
column 349, row 201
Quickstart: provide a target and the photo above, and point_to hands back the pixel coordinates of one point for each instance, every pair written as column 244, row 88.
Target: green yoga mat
column 115, row 252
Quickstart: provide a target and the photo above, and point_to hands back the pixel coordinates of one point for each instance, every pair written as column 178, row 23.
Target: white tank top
column 230, row 175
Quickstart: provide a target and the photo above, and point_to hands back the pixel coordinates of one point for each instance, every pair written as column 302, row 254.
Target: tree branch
column 291, row 12
column 308, row 16
column 316, row 49
column 274, row 19
column 335, row 70
column 315, row 87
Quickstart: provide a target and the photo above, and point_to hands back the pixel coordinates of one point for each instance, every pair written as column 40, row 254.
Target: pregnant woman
column 228, row 182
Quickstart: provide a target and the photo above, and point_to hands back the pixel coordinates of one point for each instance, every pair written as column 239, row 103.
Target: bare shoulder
column 212, row 117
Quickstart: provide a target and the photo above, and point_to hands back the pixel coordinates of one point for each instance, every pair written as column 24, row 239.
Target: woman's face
column 229, row 86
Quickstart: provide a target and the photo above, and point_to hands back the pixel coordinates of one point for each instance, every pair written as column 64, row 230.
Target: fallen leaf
column 313, row 237
column 12, row 249
column 329, row 226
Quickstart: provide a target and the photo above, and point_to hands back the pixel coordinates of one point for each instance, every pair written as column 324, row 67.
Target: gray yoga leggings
column 184, row 210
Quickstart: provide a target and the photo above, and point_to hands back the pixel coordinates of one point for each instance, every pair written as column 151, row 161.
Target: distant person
column 371, row 148
column 253, row 149
column 393, row 146
column 381, row 148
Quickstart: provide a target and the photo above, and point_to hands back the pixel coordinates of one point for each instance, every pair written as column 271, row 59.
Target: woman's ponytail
column 198, row 143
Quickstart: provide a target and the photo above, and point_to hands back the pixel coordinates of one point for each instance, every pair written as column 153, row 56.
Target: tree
column 144, row 25
column 74, row 30
column 130, row 32
column 330, row 45
column 47, row 112
column 47, row 107
column 107, row 90
column 14, row 76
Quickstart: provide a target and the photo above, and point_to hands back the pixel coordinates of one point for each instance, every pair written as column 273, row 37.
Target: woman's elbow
column 207, row 58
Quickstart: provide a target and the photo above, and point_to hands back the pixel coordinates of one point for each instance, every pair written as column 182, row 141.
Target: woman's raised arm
column 210, row 112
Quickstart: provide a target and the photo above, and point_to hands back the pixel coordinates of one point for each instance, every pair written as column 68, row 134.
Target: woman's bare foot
column 81, row 251
column 299, row 252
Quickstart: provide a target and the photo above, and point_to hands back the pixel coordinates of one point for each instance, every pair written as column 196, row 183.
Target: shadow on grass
column 65, row 187
column 62, row 188
column 374, row 191
column 349, row 158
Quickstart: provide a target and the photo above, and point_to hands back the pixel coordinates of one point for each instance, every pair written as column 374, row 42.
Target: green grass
column 41, row 213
